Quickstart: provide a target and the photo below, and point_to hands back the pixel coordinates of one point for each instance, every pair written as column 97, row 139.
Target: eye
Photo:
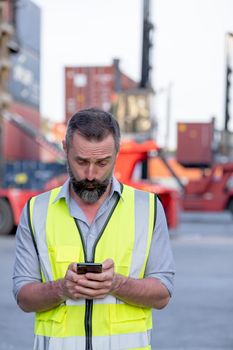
column 102, row 163
column 81, row 162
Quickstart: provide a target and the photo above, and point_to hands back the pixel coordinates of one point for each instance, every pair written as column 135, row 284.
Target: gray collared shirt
column 160, row 263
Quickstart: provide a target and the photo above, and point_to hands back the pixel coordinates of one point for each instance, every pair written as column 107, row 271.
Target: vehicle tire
column 6, row 217
column 230, row 206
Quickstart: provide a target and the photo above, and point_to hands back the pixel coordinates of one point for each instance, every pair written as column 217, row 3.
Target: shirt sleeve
column 160, row 263
column 26, row 265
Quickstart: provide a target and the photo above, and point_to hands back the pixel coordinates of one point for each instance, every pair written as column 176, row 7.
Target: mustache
column 91, row 184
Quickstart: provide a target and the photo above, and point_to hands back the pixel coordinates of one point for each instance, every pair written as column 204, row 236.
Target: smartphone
column 83, row 268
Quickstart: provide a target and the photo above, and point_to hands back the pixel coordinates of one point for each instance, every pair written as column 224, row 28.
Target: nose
column 90, row 172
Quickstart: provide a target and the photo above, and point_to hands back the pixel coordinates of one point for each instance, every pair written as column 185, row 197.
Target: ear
column 64, row 146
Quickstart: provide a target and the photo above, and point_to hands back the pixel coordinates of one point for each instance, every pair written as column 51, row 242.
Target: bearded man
column 93, row 218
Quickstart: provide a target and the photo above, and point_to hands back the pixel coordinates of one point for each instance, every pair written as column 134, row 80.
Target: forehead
column 92, row 148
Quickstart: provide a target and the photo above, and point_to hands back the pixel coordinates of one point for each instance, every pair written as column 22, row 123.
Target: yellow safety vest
column 104, row 324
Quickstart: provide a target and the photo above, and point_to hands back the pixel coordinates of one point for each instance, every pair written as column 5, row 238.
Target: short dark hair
column 93, row 123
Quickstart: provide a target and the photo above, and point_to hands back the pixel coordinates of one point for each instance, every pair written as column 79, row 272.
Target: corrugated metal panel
column 24, row 83
column 194, row 144
column 28, row 22
column 91, row 87
column 16, row 144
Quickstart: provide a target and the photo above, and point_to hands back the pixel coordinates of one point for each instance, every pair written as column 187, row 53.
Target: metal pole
column 6, row 32
column 229, row 46
column 1, row 119
column 146, row 46
column 168, row 115
column 117, row 75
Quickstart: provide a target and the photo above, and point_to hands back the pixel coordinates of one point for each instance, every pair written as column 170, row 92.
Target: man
column 93, row 218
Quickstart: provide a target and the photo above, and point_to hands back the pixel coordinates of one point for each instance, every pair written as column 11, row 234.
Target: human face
column 90, row 166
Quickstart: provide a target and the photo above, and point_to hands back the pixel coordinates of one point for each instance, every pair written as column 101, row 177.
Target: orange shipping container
column 195, row 144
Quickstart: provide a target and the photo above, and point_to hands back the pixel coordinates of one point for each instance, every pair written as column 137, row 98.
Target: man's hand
column 147, row 292
column 69, row 285
column 36, row 296
column 94, row 285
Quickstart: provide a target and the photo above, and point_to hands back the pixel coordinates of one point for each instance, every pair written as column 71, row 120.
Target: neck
column 90, row 209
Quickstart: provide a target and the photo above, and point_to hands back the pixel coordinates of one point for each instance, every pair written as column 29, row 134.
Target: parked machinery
column 213, row 191
column 131, row 160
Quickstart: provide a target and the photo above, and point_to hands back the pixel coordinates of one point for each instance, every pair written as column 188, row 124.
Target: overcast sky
column 188, row 52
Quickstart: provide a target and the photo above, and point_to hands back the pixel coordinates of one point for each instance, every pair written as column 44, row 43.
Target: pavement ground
column 200, row 313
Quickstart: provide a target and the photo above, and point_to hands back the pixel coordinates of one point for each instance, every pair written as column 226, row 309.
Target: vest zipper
column 88, row 324
column 89, row 303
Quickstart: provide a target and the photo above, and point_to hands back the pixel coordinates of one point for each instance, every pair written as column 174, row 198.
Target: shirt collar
column 65, row 192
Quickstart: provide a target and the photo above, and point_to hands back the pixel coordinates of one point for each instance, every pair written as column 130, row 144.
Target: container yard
column 193, row 180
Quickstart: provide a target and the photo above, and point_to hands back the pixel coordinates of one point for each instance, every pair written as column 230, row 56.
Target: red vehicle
column 12, row 201
column 131, row 156
column 212, row 192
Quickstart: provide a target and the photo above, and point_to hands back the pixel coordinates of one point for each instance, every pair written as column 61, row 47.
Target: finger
column 72, row 275
column 91, row 293
column 106, row 284
column 108, row 264
column 89, row 284
column 101, row 277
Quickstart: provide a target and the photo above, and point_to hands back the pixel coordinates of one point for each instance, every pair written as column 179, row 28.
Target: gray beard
column 89, row 196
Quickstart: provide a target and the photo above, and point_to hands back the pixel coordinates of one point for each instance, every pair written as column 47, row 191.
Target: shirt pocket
column 122, row 270
column 51, row 323
column 62, row 257
column 123, row 261
column 127, row 318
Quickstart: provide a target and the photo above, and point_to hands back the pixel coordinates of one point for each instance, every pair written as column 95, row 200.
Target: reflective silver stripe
column 41, row 343
column 70, row 302
column 113, row 342
column 66, row 343
column 109, row 299
column 121, row 341
column 142, row 217
column 39, row 218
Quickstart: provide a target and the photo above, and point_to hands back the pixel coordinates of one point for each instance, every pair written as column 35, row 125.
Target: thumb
column 73, row 267
column 108, row 264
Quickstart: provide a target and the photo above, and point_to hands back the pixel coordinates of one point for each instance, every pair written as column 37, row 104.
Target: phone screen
column 83, row 268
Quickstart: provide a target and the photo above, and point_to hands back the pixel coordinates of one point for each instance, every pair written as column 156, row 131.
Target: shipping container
column 93, row 87
column 16, row 144
column 195, row 144
column 28, row 25
column 24, row 83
